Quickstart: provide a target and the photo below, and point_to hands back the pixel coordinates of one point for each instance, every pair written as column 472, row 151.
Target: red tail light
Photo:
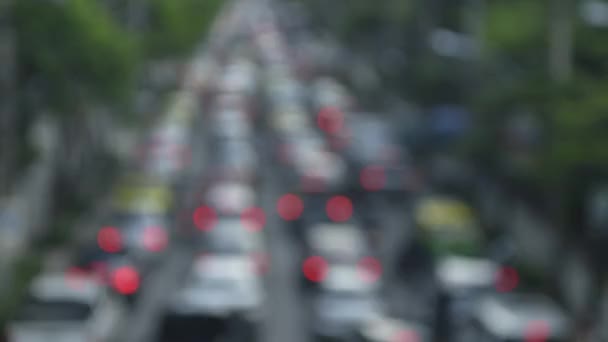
column 155, row 239
column 109, row 239
column 126, row 280
column 330, row 120
column 339, row 208
column 290, row 207
column 204, row 218
column 507, row 279
column 369, row 269
column 315, row 269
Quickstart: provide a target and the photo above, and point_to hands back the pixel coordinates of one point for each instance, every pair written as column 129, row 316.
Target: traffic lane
column 285, row 314
column 153, row 299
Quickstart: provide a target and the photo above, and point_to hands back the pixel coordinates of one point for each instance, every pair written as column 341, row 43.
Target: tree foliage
column 73, row 48
column 175, row 26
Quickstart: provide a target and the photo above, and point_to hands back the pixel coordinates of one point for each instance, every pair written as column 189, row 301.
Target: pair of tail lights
column 316, row 268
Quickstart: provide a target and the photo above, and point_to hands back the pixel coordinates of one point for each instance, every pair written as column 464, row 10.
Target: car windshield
column 35, row 310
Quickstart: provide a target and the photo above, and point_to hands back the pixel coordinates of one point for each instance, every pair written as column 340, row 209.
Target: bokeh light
column 339, row 208
column 330, row 120
column 507, row 279
column 125, row 280
column 315, row 268
column 204, row 218
column 109, row 239
column 290, row 207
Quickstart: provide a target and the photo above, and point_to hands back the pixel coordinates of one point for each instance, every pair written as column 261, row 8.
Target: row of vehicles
column 221, row 296
column 90, row 295
column 340, row 275
column 477, row 294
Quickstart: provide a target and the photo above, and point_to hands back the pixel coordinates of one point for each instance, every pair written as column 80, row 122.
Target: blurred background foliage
column 544, row 58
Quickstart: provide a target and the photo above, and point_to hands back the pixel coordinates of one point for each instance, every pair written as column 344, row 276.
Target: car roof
column 461, row 272
column 226, row 193
column 237, row 267
column 336, row 237
column 439, row 211
column 142, row 198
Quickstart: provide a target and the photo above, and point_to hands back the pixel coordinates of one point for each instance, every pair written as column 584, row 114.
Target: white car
column 324, row 166
column 457, row 274
column 67, row 310
column 219, row 285
column 338, row 243
column 344, row 303
column 230, row 197
column 233, row 236
column 520, row 317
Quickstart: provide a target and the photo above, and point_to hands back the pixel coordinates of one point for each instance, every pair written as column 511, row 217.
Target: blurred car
column 345, row 301
column 231, row 124
column 232, row 235
column 389, row 329
column 291, row 147
column 234, row 102
column 229, row 197
column 67, row 310
column 145, row 235
column 234, row 159
column 517, row 317
column 221, row 296
column 289, row 119
column 319, row 171
column 139, row 195
column 337, row 242
column 330, row 245
column 239, row 77
column 282, row 89
column 139, row 219
column 448, row 226
column 462, row 282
